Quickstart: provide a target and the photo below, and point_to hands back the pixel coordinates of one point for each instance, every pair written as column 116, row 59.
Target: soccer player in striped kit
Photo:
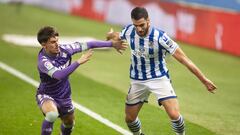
column 148, row 71
column 54, row 66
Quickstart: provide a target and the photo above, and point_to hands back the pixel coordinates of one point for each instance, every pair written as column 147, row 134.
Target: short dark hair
column 46, row 33
column 138, row 13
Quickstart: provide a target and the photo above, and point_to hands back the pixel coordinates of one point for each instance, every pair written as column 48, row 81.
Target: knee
column 174, row 115
column 51, row 116
column 69, row 122
column 69, row 125
column 130, row 118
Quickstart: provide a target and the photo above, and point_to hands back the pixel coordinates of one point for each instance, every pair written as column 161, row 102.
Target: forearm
column 182, row 58
column 196, row 71
column 60, row 74
column 98, row 44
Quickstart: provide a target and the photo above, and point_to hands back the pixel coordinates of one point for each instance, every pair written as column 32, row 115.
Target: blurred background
column 211, row 24
column 206, row 30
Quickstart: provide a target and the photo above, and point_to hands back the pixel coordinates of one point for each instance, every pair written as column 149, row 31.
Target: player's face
column 51, row 46
column 142, row 26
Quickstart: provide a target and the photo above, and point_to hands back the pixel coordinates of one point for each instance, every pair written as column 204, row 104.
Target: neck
column 49, row 53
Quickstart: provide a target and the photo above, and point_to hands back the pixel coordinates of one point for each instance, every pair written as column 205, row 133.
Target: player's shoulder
column 127, row 30
column 43, row 61
column 67, row 48
column 42, row 56
column 159, row 32
column 64, row 46
column 128, row 27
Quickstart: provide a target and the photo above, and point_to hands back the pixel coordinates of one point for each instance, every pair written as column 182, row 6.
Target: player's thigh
column 49, row 106
column 161, row 88
column 171, row 107
column 132, row 111
column 138, row 92
column 68, row 119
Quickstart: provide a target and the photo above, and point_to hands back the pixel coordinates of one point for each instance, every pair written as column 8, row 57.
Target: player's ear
column 43, row 44
column 148, row 20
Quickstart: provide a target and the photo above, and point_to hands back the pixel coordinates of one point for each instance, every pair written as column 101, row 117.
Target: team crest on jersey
column 150, row 44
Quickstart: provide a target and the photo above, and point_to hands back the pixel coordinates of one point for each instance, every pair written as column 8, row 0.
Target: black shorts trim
column 165, row 98
column 140, row 102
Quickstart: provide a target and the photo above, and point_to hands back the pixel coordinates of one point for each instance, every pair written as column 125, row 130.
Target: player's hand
column 117, row 43
column 120, row 45
column 211, row 87
column 112, row 35
column 85, row 57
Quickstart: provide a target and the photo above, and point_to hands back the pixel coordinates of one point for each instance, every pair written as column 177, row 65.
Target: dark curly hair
column 138, row 13
column 45, row 33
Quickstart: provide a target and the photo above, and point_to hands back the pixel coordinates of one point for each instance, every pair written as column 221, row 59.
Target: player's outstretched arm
column 182, row 58
column 118, row 45
column 61, row 74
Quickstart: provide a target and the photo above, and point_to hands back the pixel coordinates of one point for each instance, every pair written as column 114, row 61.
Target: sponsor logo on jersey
column 165, row 38
column 48, row 65
column 170, row 43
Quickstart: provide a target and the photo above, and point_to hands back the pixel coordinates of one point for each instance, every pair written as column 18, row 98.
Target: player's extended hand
column 112, row 35
column 85, row 57
column 117, row 43
column 211, row 87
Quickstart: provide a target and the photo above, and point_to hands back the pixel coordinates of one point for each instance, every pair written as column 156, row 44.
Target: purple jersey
column 54, row 72
column 47, row 66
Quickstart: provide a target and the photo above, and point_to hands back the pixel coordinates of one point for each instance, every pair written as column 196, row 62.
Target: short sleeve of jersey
column 45, row 66
column 166, row 42
column 75, row 47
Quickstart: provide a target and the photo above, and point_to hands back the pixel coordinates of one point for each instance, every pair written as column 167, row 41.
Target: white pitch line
column 81, row 108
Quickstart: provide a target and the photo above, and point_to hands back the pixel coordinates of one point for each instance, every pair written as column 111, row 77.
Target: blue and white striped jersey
column 148, row 53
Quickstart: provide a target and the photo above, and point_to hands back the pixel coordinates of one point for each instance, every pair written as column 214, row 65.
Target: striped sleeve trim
column 51, row 71
column 84, row 46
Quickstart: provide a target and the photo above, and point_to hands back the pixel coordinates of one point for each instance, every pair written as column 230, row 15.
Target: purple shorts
column 64, row 106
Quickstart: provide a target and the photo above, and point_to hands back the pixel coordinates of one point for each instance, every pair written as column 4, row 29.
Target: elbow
column 57, row 75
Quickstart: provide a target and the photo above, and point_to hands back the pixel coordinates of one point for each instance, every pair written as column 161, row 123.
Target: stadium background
column 205, row 24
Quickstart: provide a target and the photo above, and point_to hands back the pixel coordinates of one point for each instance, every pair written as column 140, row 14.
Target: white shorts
column 139, row 90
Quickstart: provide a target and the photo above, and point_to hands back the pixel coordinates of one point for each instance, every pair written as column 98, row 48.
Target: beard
column 143, row 32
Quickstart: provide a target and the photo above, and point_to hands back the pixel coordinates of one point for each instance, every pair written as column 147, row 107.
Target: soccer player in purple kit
column 54, row 66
